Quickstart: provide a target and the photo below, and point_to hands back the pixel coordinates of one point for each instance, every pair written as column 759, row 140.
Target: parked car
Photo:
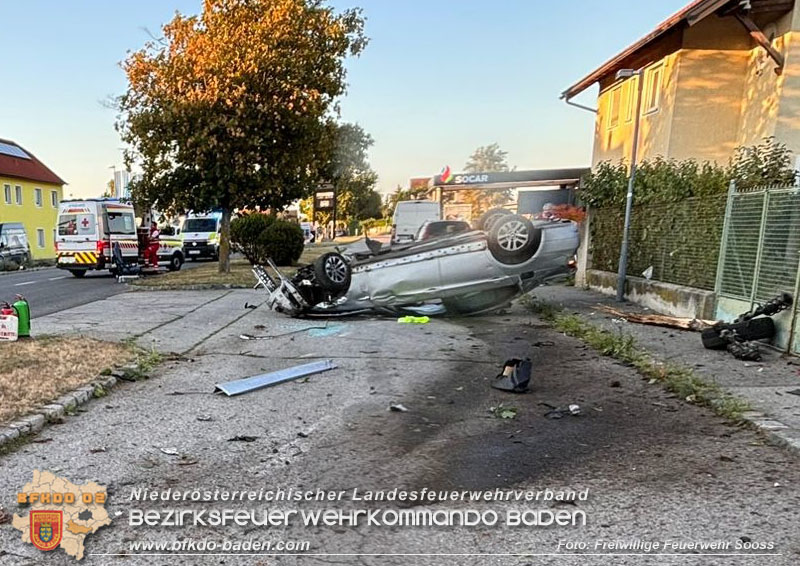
column 409, row 215
column 14, row 249
column 439, row 228
column 464, row 273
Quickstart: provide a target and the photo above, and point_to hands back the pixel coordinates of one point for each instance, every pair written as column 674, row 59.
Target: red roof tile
column 30, row 169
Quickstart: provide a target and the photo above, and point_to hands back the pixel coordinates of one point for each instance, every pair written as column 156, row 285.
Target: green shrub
column 283, row 242
column 259, row 237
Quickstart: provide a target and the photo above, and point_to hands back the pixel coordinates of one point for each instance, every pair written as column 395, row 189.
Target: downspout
column 576, row 105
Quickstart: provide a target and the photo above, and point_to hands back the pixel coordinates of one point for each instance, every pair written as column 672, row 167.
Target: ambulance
column 88, row 229
column 201, row 235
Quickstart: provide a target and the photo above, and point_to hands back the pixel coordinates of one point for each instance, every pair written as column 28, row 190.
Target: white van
column 409, row 215
column 200, row 233
column 88, row 229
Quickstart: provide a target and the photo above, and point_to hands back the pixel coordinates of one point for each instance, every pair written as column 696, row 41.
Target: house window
column 7, row 191
column 54, row 198
column 18, row 191
column 613, row 107
column 653, row 90
column 37, row 196
column 630, row 105
column 40, row 237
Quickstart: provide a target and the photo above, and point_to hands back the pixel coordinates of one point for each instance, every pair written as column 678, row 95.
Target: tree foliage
column 486, row 159
column 669, row 180
column 234, row 107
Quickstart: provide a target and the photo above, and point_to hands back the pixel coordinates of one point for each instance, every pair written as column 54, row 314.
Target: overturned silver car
column 463, row 274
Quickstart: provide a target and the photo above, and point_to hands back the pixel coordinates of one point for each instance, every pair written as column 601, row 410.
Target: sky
column 438, row 79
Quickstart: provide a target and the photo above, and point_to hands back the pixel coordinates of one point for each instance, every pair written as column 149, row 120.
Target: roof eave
column 692, row 13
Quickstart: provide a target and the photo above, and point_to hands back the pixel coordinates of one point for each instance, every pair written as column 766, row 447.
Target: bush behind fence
column 680, row 240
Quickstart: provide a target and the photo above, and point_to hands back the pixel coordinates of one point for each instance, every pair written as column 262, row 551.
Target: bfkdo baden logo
column 61, row 514
column 46, row 529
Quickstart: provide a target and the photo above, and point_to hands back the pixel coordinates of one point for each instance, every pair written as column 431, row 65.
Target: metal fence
column 760, row 256
column 674, row 242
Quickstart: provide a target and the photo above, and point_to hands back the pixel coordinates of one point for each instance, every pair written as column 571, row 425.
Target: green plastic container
column 23, row 310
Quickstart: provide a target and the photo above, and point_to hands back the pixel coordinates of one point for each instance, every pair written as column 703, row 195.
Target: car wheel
column 78, row 272
column 513, row 239
column 754, row 329
column 332, row 272
column 489, row 217
column 175, row 262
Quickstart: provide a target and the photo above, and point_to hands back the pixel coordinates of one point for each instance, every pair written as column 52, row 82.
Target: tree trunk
column 225, row 242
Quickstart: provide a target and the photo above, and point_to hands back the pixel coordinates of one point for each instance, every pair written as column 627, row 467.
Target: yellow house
column 29, row 193
column 717, row 74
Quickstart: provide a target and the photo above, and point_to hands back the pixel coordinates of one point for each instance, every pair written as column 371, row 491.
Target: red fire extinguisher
column 6, row 309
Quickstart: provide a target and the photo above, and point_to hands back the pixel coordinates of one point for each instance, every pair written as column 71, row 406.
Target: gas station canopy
column 564, row 178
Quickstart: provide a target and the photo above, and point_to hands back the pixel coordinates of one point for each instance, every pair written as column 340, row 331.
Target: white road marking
column 25, row 283
column 57, row 278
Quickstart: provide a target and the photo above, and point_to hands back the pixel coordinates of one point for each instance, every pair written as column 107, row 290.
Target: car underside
column 463, row 274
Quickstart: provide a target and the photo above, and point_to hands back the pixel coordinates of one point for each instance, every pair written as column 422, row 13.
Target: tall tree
column 233, row 107
column 486, row 159
column 350, row 173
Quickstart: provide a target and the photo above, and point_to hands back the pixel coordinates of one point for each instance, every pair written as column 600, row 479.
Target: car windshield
column 121, row 223
column 200, row 225
column 13, row 238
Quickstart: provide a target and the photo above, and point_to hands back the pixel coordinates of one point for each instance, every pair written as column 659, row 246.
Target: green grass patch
column 678, row 379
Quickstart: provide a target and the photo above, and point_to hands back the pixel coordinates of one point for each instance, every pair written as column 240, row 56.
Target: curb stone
column 45, row 414
column 775, row 430
column 199, row 287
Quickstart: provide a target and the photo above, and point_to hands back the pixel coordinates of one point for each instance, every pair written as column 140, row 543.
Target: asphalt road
column 657, row 468
column 51, row 290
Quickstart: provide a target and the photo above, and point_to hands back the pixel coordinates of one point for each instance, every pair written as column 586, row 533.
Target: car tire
column 489, row 217
column 175, row 262
column 332, row 272
column 79, row 273
column 755, row 329
column 513, row 239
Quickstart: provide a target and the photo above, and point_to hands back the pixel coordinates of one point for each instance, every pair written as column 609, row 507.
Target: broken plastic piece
column 248, row 384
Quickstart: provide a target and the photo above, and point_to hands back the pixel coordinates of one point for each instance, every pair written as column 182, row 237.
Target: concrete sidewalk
column 168, row 321
column 765, row 385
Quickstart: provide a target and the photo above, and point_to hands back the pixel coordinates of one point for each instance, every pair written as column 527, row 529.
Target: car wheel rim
column 512, row 236
column 335, row 269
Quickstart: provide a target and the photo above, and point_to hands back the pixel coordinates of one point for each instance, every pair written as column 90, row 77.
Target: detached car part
column 746, row 326
column 465, row 273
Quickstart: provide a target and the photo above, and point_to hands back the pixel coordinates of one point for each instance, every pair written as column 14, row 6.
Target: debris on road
column 794, row 392
column 561, row 412
column 398, row 408
column 515, row 376
column 97, row 450
column 170, row 451
column 739, row 336
column 503, row 412
column 249, row 384
column 204, row 418
column 270, row 336
column 414, row 319
column 243, row 438
column 681, row 323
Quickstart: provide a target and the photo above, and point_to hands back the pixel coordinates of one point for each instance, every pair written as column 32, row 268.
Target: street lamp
column 623, row 252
